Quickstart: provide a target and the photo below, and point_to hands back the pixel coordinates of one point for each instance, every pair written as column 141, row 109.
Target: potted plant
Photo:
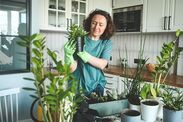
column 107, row 105
column 173, row 104
column 56, row 98
column 168, row 56
column 76, row 33
column 132, row 85
column 130, row 116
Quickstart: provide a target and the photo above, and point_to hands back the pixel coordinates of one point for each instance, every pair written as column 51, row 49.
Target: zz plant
column 172, row 98
column 58, row 97
column 168, row 57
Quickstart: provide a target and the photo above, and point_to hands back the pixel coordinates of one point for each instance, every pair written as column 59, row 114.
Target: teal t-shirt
column 88, row 75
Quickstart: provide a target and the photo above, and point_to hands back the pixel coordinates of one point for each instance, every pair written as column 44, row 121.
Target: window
column 15, row 22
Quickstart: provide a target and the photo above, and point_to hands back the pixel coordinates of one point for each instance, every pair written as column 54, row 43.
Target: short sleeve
column 107, row 50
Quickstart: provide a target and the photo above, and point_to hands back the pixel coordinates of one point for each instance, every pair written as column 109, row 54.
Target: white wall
column 153, row 46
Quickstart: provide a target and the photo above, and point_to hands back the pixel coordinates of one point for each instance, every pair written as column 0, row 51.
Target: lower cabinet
column 114, row 84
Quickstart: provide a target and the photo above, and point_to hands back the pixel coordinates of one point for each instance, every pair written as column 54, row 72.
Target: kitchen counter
column 172, row 80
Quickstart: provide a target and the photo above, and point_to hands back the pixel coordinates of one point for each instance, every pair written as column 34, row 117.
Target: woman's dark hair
column 109, row 31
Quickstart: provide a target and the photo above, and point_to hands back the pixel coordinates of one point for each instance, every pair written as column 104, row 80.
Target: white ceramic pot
column 134, row 107
column 130, row 116
column 160, row 109
column 149, row 110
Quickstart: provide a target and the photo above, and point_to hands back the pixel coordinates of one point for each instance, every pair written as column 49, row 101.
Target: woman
column 96, row 54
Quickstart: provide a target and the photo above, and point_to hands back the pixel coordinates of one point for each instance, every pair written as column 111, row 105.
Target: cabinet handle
column 169, row 22
column 70, row 22
column 112, row 3
column 109, row 83
column 165, row 23
column 67, row 24
column 108, row 77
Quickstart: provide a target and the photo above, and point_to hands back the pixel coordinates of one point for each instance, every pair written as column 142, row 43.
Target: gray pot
column 172, row 116
column 130, row 116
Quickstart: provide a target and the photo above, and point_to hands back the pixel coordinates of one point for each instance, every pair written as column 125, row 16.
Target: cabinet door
column 162, row 15
column 126, row 3
column 153, row 15
column 99, row 4
column 78, row 11
column 176, row 15
column 60, row 14
column 112, row 83
column 55, row 15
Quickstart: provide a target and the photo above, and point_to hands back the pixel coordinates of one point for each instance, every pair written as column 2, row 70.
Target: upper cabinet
column 105, row 5
column 177, row 17
column 125, row 3
column 162, row 15
column 60, row 14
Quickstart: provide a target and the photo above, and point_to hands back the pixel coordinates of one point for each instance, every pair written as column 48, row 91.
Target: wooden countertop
column 172, row 80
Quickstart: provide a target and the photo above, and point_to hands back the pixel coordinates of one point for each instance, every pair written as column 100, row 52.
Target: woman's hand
column 84, row 56
column 69, row 49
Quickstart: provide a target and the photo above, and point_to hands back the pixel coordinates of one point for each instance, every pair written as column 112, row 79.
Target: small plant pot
column 130, row 116
column 149, row 110
column 134, row 102
column 172, row 116
column 134, row 107
column 80, row 44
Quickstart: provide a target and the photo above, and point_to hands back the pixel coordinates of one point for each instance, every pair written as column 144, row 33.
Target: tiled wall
column 153, row 44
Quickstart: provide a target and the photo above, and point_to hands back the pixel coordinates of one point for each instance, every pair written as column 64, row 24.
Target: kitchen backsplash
column 153, row 44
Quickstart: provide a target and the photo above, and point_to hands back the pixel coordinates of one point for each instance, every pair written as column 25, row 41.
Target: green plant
column 58, row 97
column 133, row 85
column 75, row 31
column 172, row 98
column 168, row 56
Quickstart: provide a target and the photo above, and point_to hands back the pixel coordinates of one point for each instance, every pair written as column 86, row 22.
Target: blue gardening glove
column 84, row 56
column 69, row 49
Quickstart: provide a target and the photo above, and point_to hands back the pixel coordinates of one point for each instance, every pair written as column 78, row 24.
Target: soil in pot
column 132, row 113
column 134, row 99
column 131, row 116
column 150, row 103
column 134, row 102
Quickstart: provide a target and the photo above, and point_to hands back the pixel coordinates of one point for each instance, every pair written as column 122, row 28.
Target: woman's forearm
column 98, row 62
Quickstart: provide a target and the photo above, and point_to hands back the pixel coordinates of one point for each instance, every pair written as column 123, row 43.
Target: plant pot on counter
column 149, row 110
column 130, row 116
column 134, row 102
column 110, row 108
column 172, row 115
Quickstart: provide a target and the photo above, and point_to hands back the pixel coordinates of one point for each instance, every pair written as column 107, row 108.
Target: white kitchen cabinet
column 105, row 5
column 125, row 3
column 177, row 17
column 112, row 84
column 162, row 15
column 60, row 14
